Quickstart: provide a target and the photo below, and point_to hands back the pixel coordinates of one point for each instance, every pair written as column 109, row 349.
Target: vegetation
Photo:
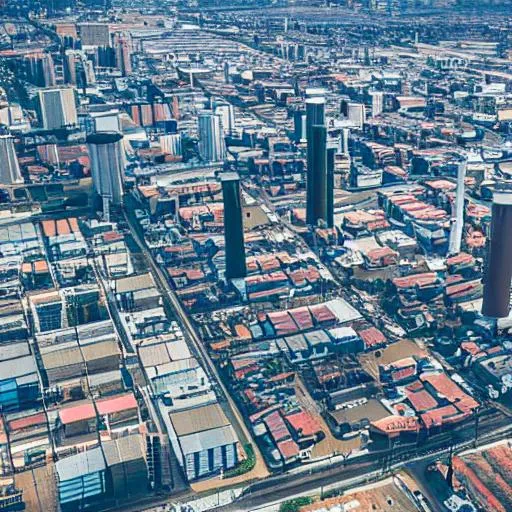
column 246, row 465
column 295, row 504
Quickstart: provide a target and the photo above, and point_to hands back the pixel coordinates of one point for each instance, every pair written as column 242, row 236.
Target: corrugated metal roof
column 207, row 440
column 123, row 449
column 76, row 466
column 200, row 419
column 133, row 283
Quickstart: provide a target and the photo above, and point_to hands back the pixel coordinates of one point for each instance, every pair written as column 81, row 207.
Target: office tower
column 105, row 57
column 226, row 72
column 458, row 212
column 57, row 108
column 332, row 150
column 227, row 115
column 299, row 126
column 69, row 63
column 498, row 274
column 233, row 226
column 316, row 160
column 9, row 166
column 123, row 51
column 94, row 34
column 345, row 134
column 212, row 147
column 107, row 168
column 171, row 144
column 357, row 114
column 377, row 103
column 40, row 69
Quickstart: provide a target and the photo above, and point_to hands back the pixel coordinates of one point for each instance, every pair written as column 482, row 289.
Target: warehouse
column 127, row 472
column 204, row 440
column 81, row 479
column 19, row 382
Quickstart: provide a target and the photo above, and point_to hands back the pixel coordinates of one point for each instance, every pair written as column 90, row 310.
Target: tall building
column 357, row 114
column 122, row 43
column 316, row 192
column 227, row 115
column 233, row 226
column 40, row 69
column 317, row 189
column 299, row 126
column 9, row 166
column 332, row 150
column 171, row 144
column 78, row 70
column 498, row 274
column 458, row 212
column 377, row 103
column 212, row 146
column 57, row 108
column 107, row 168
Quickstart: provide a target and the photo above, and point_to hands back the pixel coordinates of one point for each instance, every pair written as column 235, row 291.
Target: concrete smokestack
column 498, row 274
column 233, row 226
column 317, row 176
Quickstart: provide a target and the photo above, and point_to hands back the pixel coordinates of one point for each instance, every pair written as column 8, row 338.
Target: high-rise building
column 377, row 103
column 356, row 113
column 57, row 108
column 9, row 166
column 233, row 226
column 498, row 274
column 212, row 146
column 227, row 116
column 316, row 160
column 345, row 135
column 78, row 70
column 171, row 144
column 299, row 125
column 458, row 212
column 107, row 168
column 332, row 150
column 40, row 69
column 317, row 201
column 122, row 43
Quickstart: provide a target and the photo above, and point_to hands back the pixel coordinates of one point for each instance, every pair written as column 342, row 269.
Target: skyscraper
column 331, row 158
column 498, row 273
column 212, row 147
column 57, row 108
column 107, row 168
column 316, row 181
column 9, row 166
column 123, row 50
column 171, row 144
column 40, row 69
column 233, row 226
column 377, row 103
column 356, row 113
column 227, row 116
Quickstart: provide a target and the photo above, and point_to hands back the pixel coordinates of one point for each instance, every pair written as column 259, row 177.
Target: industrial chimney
column 498, row 275
column 233, row 226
